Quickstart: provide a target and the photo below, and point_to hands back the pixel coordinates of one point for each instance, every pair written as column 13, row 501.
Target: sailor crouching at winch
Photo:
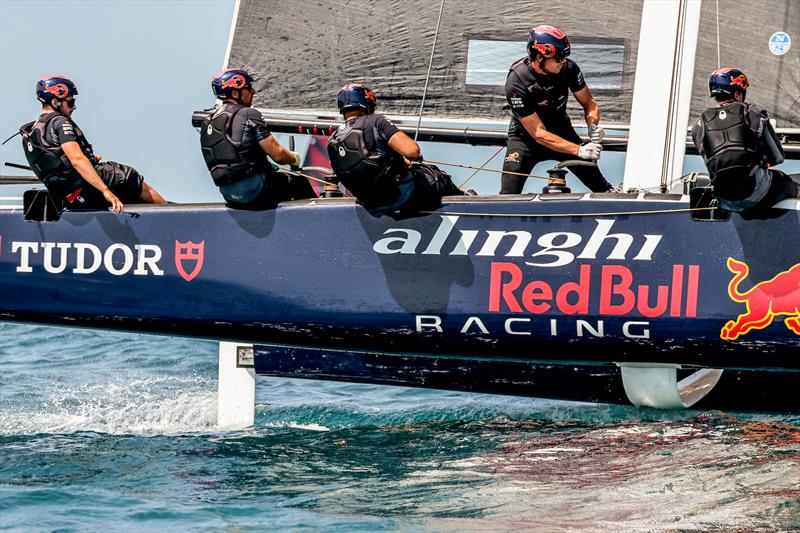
column 236, row 142
column 537, row 89
column 61, row 157
column 367, row 155
column 738, row 145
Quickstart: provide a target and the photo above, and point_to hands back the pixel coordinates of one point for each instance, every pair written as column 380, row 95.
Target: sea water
column 106, row 431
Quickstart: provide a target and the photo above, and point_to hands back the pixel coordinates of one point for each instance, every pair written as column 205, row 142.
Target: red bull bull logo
column 547, row 50
column 235, row 82
column 779, row 296
column 740, row 81
column 59, row 90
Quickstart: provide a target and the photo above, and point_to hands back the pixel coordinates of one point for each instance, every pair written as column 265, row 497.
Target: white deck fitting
column 662, row 92
column 653, row 385
column 236, row 396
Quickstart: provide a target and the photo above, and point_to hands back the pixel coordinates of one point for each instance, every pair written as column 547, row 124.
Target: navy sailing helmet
column 548, row 41
column 51, row 88
column 234, row 79
column 356, row 96
column 727, row 81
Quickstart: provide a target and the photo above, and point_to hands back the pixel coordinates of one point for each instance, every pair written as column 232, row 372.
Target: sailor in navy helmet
column 738, row 145
column 368, row 155
column 61, row 157
column 537, row 89
column 235, row 143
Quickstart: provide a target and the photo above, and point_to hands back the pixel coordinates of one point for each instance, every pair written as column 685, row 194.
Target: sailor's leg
column 150, row 195
column 520, row 160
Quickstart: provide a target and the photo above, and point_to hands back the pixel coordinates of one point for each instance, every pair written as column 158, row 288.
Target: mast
column 662, row 93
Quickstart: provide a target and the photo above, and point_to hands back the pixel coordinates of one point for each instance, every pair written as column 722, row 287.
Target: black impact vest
column 730, row 145
column 48, row 161
column 371, row 176
column 227, row 160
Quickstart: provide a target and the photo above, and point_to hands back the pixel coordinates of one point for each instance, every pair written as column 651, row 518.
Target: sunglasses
column 70, row 103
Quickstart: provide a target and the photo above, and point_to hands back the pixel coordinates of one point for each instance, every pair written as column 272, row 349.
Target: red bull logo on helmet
column 779, row 296
column 235, row 82
column 59, row 90
column 740, row 81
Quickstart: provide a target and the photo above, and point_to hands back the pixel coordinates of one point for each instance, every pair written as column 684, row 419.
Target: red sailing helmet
column 728, row 81
column 548, row 41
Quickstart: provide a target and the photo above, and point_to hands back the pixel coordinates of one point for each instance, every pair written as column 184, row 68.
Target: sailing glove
column 296, row 160
column 596, row 133
column 591, row 151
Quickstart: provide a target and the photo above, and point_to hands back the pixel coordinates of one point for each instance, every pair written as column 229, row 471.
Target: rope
column 719, row 61
column 481, row 167
column 489, row 169
column 563, row 215
column 306, row 176
column 428, row 77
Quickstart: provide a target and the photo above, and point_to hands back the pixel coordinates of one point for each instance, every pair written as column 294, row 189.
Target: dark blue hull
column 502, row 280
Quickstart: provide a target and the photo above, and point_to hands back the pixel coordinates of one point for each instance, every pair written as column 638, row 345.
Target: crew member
column 236, row 142
column 368, row 155
column 738, row 145
column 62, row 158
column 537, row 90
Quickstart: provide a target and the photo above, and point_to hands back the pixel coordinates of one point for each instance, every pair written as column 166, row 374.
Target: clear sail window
column 602, row 63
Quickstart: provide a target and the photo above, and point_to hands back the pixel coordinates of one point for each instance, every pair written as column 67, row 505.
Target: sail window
column 488, row 60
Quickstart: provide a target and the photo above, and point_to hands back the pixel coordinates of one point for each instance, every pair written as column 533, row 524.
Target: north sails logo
column 117, row 259
column 553, row 249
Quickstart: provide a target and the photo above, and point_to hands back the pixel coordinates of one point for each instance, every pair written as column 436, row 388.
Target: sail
column 762, row 40
column 306, row 52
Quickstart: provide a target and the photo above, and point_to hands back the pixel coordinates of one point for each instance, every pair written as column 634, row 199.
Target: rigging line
column 489, row 169
column 719, row 61
column 428, row 77
column 306, row 176
column 481, row 167
column 563, row 215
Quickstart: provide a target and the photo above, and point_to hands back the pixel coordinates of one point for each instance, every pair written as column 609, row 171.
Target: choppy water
column 108, row 431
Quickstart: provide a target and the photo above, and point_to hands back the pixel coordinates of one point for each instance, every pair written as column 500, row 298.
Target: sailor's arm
column 84, row 167
column 591, row 111
column 278, row 153
column 536, row 129
column 405, row 146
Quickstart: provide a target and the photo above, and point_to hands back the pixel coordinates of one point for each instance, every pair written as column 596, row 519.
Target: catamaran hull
column 619, row 280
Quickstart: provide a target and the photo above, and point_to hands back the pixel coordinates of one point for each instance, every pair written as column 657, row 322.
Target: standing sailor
column 537, row 88
column 62, row 158
column 368, row 155
column 738, row 146
column 236, row 142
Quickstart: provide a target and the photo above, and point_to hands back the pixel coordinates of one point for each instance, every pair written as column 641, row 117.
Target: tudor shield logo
column 189, row 253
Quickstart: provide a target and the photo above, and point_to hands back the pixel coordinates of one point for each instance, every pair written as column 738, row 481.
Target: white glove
column 296, row 161
column 591, row 151
column 596, row 133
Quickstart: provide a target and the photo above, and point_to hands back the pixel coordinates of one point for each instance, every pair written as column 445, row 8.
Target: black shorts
column 523, row 153
column 123, row 180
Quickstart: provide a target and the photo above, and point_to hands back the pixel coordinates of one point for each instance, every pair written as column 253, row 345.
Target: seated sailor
column 738, row 145
column 367, row 155
column 62, row 158
column 236, row 142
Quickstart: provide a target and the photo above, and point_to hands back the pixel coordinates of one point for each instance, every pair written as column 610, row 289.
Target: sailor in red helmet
column 62, row 158
column 537, row 89
column 235, row 143
column 738, row 146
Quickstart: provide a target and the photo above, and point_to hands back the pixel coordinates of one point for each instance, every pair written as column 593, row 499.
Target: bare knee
column 150, row 195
